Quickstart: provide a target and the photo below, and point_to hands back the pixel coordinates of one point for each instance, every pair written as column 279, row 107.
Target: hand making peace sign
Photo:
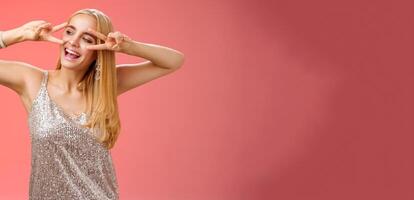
column 40, row 30
column 114, row 41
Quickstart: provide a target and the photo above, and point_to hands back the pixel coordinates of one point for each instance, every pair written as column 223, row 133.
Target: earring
column 97, row 72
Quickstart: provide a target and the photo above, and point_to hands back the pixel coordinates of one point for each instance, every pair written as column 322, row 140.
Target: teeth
column 72, row 52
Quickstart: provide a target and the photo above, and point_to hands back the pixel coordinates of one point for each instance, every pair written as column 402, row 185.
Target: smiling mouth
column 70, row 55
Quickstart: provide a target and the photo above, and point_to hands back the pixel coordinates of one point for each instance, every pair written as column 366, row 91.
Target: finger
column 97, row 47
column 42, row 23
column 97, row 34
column 41, row 27
column 119, row 38
column 115, row 46
column 37, row 32
column 55, row 40
column 60, row 26
column 45, row 25
column 113, row 37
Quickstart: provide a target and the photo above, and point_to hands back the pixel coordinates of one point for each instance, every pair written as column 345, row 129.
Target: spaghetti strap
column 41, row 92
column 44, row 79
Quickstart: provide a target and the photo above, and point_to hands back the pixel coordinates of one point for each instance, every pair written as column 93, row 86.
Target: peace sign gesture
column 114, row 41
column 40, row 30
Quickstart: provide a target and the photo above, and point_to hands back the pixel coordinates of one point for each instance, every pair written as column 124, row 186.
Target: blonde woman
column 72, row 110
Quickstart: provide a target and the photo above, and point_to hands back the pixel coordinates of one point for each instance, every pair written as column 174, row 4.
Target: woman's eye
column 68, row 32
column 89, row 41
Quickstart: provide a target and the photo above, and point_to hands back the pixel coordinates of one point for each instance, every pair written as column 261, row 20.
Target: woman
column 72, row 110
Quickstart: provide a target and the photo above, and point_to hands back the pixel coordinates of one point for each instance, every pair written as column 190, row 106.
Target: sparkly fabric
column 67, row 162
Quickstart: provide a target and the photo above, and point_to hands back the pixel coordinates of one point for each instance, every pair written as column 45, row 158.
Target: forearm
column 12, row 36
column 161, row 56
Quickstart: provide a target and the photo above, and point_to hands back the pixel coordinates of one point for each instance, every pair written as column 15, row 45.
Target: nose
column 73, row 43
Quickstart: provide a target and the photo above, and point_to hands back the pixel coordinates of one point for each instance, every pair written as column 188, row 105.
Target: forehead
column 83, row 22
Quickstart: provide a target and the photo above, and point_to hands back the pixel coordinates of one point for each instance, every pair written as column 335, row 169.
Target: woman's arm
column 160, row 56
column 12, row 36
column 15, row 74
column 161, row 61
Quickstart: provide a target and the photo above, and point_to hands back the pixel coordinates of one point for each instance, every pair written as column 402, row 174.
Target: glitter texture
column 68, row 162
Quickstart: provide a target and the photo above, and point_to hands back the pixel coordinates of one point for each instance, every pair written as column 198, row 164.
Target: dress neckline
column 71, row 116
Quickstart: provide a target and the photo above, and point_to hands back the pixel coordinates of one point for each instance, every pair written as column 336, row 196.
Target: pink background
column 287, row 100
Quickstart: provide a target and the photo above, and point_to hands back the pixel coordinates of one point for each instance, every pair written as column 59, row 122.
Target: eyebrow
column 70, row 26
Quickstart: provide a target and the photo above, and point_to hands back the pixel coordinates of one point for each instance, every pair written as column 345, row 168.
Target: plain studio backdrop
column 282, row 99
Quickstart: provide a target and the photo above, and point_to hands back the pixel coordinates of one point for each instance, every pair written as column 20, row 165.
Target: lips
column 71, row 54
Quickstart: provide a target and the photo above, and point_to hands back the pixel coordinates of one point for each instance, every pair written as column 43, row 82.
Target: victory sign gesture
column 40, row 30
column 114, row 41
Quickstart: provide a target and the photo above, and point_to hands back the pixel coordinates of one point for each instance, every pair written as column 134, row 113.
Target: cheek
column 65, row 39
column 89, row 53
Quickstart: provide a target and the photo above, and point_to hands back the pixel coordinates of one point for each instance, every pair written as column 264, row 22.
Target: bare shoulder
column 32, row 78
column 21, row 77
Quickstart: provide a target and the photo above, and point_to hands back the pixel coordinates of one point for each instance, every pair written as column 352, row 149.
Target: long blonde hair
column 101, row 95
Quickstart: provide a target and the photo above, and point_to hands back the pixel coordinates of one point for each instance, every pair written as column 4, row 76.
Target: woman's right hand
column 40, row 30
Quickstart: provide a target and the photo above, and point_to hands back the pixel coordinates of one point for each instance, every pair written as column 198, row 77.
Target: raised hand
column 115, row 41
column 40, row 30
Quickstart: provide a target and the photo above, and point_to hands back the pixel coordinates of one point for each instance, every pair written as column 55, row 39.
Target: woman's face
column 75, row 40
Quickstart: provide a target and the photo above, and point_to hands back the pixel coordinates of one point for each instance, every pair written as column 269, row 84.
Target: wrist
column 129, row 46
column 12, row 36
column 2, row 45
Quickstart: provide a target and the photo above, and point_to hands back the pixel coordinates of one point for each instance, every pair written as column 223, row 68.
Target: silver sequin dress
column 67, row 161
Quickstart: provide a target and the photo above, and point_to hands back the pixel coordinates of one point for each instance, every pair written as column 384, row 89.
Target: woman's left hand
column 115, row 41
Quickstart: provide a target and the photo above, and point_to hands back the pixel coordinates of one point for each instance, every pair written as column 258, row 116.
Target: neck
column 67, row 80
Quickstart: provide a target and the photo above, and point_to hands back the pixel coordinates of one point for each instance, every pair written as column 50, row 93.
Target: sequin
column 68, row 162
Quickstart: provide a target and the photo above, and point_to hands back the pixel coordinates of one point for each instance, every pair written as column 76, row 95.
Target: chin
column 70, row 63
